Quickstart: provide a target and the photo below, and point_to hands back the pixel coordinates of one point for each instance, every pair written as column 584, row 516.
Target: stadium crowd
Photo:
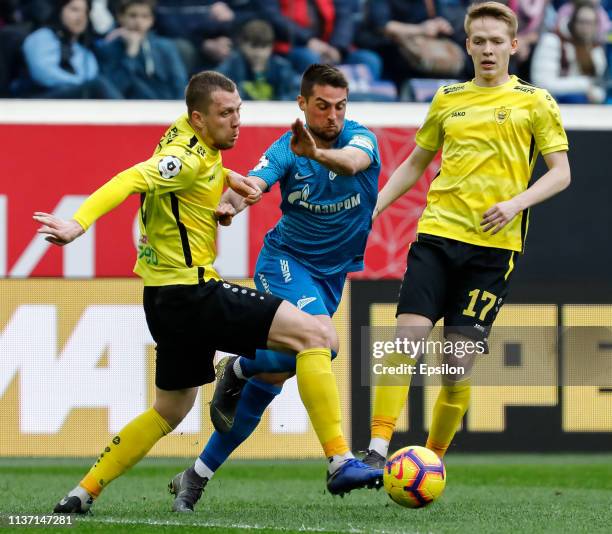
column 388, row 49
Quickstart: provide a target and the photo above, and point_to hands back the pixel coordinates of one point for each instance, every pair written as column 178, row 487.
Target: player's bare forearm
column 344, row 162
column 61, row 232
column 554, row 181
column 403, row 178
column 549, row 184
column 248, row 187
column 232, row 203
column 233, row 199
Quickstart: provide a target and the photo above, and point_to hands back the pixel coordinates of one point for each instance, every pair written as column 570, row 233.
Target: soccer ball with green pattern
column 414, row 476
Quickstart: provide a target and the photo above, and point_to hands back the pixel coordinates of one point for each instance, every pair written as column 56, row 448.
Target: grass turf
column 485, row 493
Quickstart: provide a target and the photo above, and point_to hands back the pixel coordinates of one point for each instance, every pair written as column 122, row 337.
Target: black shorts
column 190, row 322
column 464, row 284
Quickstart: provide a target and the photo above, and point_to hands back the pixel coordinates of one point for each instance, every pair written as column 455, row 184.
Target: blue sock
column 255, row 398
column 269, row 361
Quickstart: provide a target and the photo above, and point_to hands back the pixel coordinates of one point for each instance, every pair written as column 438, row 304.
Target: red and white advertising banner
column 56, row 153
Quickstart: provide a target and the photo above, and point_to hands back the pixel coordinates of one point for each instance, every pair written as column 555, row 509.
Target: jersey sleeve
column 109, row 196
column 431, row 134
column 547, row 126
column 365, row 140
column 173, row 168
column 274, row 164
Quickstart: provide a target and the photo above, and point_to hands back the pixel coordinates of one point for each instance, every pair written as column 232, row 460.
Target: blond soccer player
column 491, row 130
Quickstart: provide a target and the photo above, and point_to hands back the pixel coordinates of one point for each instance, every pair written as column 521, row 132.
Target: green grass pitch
column 485, row 493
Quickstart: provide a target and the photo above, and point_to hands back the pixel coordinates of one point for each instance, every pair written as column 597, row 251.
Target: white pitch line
column 172, row 523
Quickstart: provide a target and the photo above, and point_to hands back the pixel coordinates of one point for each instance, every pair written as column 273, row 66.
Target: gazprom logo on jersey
column 300, row 198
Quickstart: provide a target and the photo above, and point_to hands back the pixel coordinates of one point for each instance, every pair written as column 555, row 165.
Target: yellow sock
column 389, row 398
column 125, row 450
column 450, row 407
column 319, row 394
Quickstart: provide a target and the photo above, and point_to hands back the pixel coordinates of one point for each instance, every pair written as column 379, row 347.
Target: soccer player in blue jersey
column 328, row 174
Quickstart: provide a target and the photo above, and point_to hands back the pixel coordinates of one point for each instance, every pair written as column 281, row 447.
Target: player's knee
column 312, row 334
column 332, row 336
column 174, row 409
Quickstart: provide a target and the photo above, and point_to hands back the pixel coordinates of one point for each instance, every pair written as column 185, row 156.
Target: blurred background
column 389, row 49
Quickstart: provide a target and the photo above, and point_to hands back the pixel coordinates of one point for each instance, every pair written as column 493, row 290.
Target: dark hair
column 584, row 57
column 578, row 5
column 122, row 5
column 257, row 33
column 202, row 85
column 64, row 36
column 55, row 20
column 318, row 74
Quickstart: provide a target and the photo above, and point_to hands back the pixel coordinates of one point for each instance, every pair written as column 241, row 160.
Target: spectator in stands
column 141, row 64
column 59, row 60
column 259, row 73
column 204, row 29
column 572, row 68
column 17, row 20
column 531, row 15
column 32, row 13
column 317, row 31
column 417, row 38
column 604, row 26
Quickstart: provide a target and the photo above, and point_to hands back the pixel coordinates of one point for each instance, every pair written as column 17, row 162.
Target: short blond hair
column 495, row 10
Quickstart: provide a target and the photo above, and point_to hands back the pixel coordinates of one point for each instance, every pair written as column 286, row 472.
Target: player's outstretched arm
column 554, row 181
column 346, row 161
column 403, row 178
column 61, row 232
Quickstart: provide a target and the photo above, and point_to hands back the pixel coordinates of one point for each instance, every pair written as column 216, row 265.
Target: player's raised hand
column 302, row 143
column 57, row 231
column 225, row 213
column 245, row 186
column 498, row 216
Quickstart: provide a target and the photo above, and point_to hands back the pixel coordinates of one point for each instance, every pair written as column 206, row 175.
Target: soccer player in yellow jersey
column 490, row 130
column 190, row 311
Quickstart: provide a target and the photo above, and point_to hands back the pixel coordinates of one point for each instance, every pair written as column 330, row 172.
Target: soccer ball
column 414, row 476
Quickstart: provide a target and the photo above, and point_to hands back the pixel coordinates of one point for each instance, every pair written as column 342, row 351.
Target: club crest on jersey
column 502, row 114
column 169, row 167
column 305, row 301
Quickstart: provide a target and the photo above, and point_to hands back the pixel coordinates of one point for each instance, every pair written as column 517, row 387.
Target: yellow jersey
column 490, row 139
column 180, row 187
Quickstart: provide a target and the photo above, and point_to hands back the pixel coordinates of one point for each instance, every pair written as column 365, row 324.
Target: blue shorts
column 285, row 277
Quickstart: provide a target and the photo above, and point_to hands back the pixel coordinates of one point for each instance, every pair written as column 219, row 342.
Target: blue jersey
column 326, row 218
